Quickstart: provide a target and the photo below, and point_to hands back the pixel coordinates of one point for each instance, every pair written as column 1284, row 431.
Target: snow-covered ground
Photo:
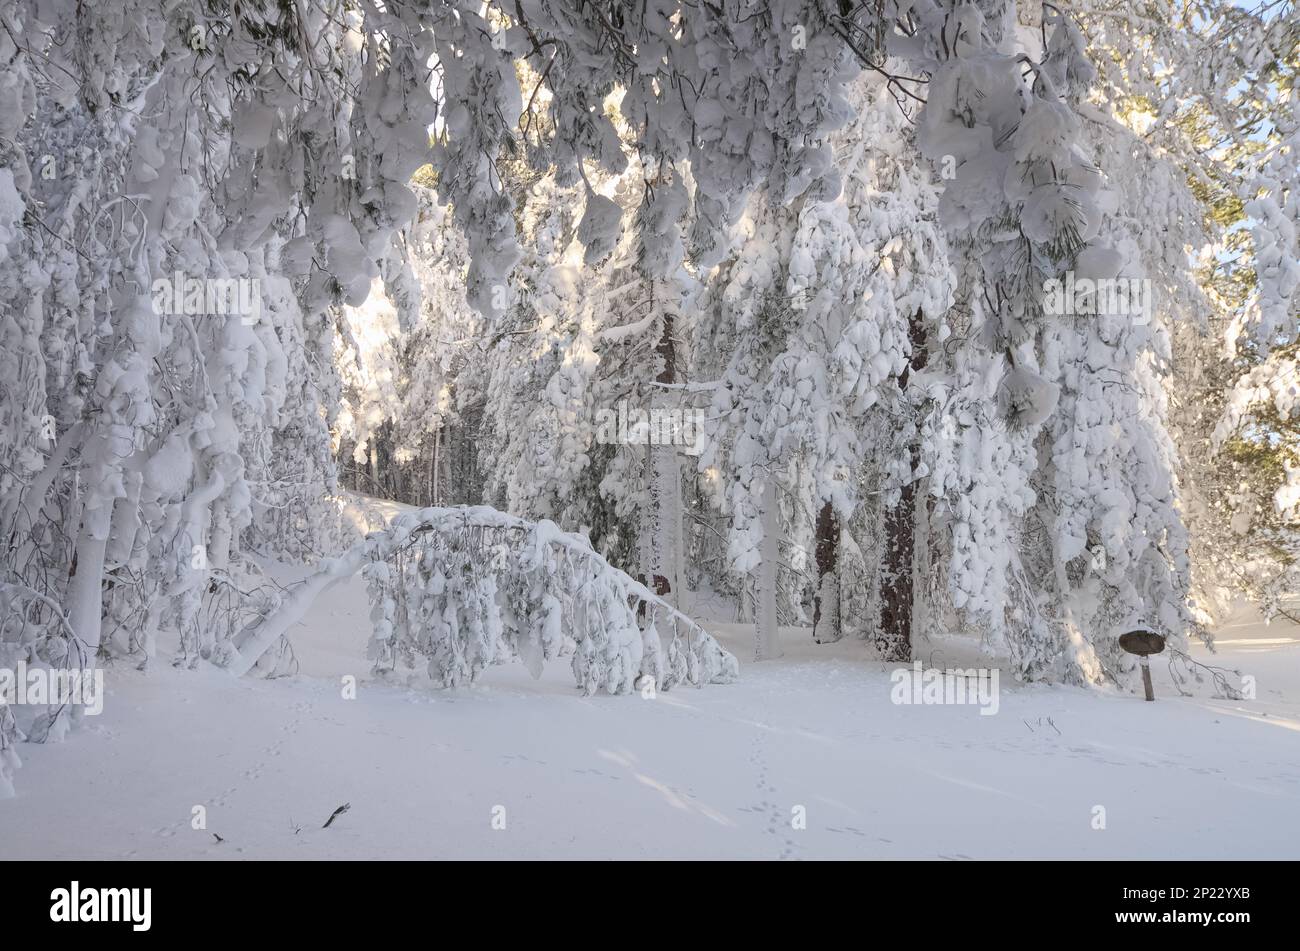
column 722, row 771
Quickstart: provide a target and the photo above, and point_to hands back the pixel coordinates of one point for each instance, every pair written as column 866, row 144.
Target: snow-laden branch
column 461, row 588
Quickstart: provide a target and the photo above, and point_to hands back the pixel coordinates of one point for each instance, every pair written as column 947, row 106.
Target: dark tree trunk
column 826, row 601
column 667, row 351
column 895, row 637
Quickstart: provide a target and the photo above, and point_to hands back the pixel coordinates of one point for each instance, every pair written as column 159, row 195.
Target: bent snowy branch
column 457, row 589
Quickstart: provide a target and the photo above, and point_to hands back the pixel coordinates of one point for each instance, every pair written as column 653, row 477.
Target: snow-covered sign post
column 1143, row 643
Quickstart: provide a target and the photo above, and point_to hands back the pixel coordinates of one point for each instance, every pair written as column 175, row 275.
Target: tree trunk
column 661, row 555
column 826, row 602
column 895, row 637
column 896, row 591
column 433, row 467
column 86, row 576
column 767, row 637
column 86, row 584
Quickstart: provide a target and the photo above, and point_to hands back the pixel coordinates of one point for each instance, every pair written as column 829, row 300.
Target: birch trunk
column 826, row 602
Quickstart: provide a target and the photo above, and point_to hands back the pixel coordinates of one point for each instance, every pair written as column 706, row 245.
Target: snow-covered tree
column 832, row 230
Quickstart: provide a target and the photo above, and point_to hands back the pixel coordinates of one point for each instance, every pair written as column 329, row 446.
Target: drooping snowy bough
column 455, row 589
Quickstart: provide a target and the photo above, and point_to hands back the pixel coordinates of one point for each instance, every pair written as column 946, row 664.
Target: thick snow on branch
column 457, row 589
